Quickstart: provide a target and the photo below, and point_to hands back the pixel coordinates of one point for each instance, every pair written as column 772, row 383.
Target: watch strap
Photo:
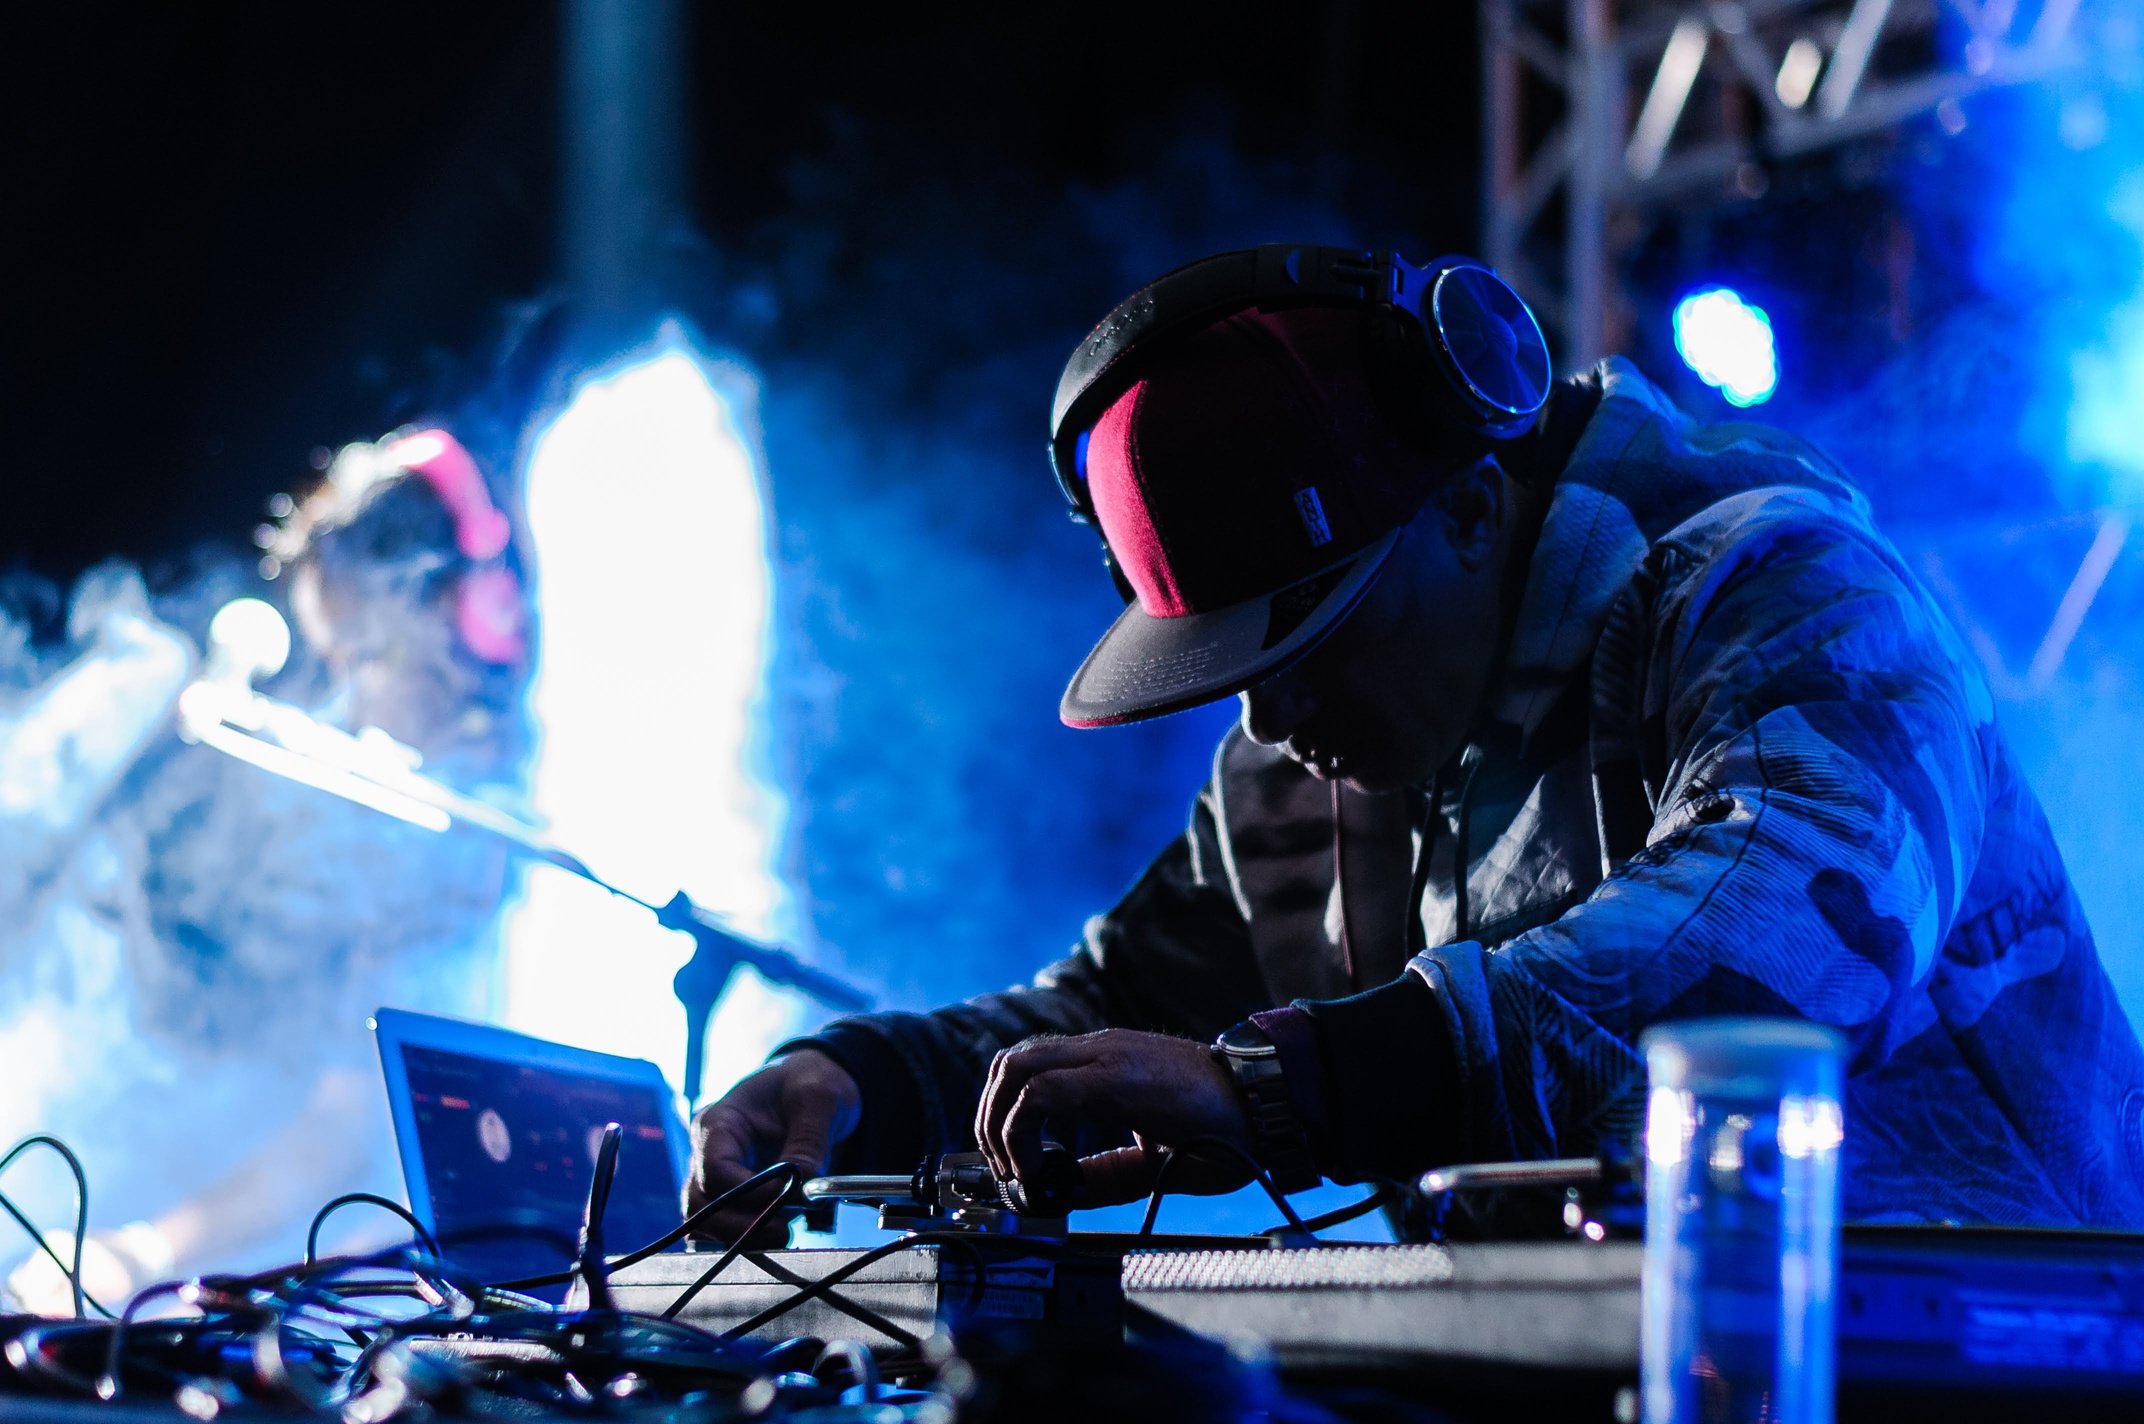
column 1276, row 1132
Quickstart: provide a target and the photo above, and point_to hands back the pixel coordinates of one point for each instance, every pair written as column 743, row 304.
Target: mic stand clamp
column 716, row 955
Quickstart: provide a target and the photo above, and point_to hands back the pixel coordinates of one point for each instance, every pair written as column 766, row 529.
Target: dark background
column 241, row 231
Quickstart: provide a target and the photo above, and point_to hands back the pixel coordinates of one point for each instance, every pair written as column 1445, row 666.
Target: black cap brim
column 1149, row 667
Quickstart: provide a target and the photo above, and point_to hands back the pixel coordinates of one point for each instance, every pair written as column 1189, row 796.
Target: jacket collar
column 1640, row 468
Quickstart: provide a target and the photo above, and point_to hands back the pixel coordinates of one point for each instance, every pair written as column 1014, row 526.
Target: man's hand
column 793, row 1110
column 1167, row 1091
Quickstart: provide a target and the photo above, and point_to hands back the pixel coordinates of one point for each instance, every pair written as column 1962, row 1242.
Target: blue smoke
column 2059, row 259
column 1966, row 334
column 189, row 946
column 950, row 836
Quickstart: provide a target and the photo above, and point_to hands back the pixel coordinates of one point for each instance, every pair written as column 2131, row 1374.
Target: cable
column 1461, row 911
column 836, row 1276
column 589, row 1265
column 1258, row 1174
column 108, row 1386
column 847, row 1307
column 1161, row 1185
column 312, row 1285
column 492, row 1231
column 44, row 1245
column 312, row 1234
column 572, row 1358
column 684, row 1228
column 1432, row 821
column 670, row 1311
column 667, row 1239
column 842, row 1303
column 1383, row 1196
column 858, row 1359
column 81, row 1209
column 433, row 1272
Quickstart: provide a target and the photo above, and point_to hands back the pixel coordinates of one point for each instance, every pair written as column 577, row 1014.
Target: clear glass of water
column 1742, row 1140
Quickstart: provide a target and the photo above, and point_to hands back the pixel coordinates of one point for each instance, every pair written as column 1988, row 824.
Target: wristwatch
column 1253, row 1061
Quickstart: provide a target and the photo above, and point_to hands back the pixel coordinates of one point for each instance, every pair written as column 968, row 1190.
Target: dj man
column 1563, row 716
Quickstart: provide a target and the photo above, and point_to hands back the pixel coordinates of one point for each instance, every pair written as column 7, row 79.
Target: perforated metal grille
column 1327, row 1268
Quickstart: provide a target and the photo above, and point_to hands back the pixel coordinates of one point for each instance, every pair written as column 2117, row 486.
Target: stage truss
column 1600, row 117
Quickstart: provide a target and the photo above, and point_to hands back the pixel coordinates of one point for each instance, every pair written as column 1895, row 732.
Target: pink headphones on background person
column 488, row 612
column 489, row 616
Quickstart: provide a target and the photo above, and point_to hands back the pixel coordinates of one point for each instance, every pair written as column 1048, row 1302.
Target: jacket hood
column 1640, row 468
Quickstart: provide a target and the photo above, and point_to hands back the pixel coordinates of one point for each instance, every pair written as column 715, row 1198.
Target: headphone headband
column 481, row 531
column 1479, row 334
column 489, row 614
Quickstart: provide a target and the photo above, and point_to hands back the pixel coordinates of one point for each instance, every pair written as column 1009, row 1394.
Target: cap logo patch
column 1312, row 513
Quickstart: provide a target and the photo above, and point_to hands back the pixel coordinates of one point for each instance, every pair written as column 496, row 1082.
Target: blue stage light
column 1728, row 342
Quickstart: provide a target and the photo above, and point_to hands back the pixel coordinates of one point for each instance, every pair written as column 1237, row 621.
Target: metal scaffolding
column 1600, row 117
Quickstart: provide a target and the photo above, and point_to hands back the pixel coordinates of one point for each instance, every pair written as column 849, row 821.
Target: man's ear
column 1473, row 504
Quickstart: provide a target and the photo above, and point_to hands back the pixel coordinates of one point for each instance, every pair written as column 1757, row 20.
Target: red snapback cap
column 1247, row 491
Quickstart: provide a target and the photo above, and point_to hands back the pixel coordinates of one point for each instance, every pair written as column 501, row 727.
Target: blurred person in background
column 189, row 946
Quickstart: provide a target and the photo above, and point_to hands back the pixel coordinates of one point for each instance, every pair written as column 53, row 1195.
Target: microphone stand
column 716, row 954
column 382, row 775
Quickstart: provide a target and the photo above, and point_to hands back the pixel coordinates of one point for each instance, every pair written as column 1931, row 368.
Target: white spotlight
column 645, row 506
column 1728, row 342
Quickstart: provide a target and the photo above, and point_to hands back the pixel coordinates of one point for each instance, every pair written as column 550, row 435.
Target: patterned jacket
column 1740, row 764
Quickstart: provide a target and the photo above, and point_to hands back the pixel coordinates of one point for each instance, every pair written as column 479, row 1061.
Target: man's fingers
column 1204, row 1174
column 737, row 1216
column 809, row 1141
column 711, row 1180
column 1126, row 1174
column 1010, row 1066
column 722, row 1155
column 1121, row 1174
column 1061, row 1090
column 1010, row 1072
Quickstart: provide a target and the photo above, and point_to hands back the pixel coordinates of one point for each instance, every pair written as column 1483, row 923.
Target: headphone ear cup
column 1491, row 358
column 488, row 615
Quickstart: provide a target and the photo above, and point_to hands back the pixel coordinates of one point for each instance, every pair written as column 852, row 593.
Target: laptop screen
column 503, row 1142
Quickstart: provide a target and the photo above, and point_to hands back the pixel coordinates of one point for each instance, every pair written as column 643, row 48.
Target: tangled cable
column 81, row 1216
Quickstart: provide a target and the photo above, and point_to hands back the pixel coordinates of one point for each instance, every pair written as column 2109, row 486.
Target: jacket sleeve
column 1173, row 956
column 1813, row 744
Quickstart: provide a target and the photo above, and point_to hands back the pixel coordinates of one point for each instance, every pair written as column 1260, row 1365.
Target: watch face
column 1246, row 1040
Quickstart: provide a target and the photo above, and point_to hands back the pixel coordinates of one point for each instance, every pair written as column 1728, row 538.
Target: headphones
column 489, row 618
column 487, row 606
column 1465, row 348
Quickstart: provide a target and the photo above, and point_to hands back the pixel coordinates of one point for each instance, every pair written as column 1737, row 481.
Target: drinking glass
column 1743, row 1128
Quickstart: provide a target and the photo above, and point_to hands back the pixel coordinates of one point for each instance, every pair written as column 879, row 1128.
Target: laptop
column 498, row 1134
